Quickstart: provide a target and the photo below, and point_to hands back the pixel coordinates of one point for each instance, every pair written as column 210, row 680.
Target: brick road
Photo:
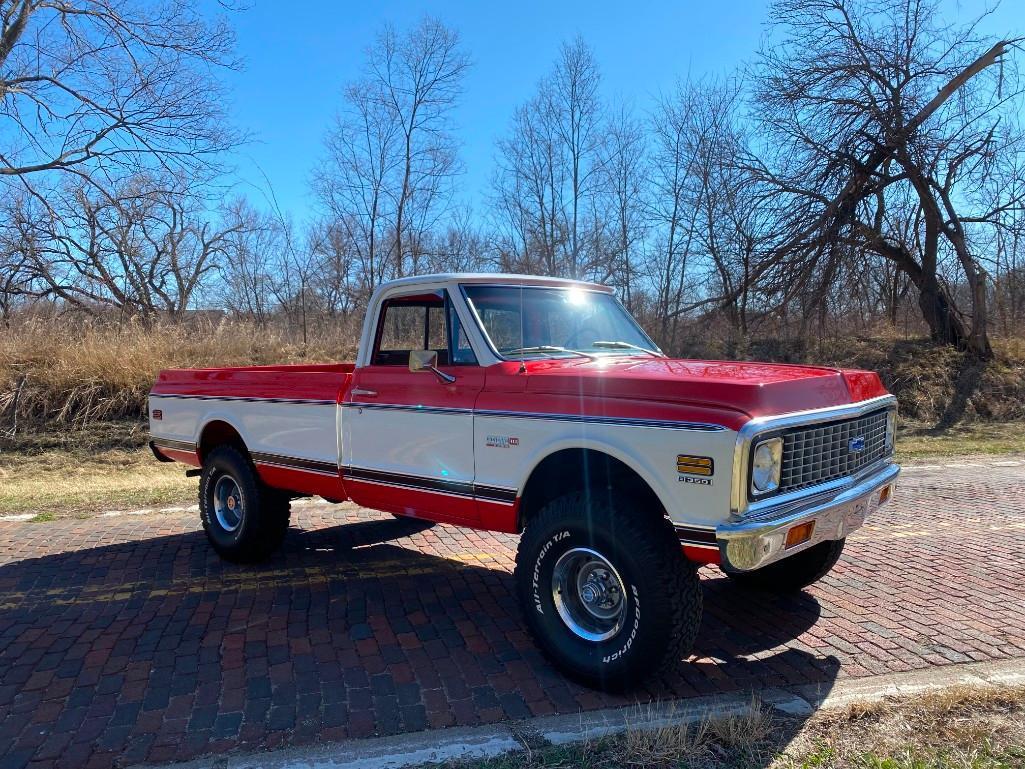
column 124, row 639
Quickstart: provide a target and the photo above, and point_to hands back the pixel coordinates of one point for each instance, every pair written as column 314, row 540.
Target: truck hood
column 755, row 389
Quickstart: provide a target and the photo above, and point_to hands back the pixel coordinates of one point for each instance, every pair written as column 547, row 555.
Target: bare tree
column 671, row 214
column 17, row 248
column 147, row 250
column 353, row 185
column 418, row 78
column 391, row 154
column 249, row 272
column 337, row 278
column 621, row 198
column 862, row 99
column 98, row 88
column 545, row 185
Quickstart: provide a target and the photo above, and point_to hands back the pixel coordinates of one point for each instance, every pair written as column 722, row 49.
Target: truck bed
column 285, row 416
column 305, row 381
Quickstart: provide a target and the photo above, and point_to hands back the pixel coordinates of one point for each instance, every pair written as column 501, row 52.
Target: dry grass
column 79, row 472
column 75, row 373
column 957, row 728
column 919, row 442
column 741, row 733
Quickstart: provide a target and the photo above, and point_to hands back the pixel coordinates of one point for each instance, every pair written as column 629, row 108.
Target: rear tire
column 585, row 567
column 795, row 572
column 244, row 520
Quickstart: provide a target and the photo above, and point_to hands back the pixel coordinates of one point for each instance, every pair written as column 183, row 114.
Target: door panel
column 410, row 435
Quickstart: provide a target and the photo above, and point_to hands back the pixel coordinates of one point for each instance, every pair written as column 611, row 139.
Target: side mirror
column 427, row 360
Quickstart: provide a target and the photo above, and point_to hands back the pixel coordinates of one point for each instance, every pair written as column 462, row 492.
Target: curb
column 440, row 745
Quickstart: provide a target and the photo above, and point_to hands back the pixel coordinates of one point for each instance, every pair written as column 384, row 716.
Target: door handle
column 364, row 393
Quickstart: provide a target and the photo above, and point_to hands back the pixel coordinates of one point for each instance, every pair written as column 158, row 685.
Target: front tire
column 794, row 572
column 244, row 520
column 606, row 590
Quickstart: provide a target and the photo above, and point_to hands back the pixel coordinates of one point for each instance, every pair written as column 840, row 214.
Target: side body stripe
column 437, row 485
column 295, row 463
column 556, row 417
column 170, row 443
column 245, row 399
column 580, row 418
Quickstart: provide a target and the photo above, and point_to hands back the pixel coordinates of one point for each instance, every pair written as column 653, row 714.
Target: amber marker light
column 885, row 493
column 691, row 465
column 800, row 534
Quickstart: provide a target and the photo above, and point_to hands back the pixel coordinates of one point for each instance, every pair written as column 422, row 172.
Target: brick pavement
column 125, row 639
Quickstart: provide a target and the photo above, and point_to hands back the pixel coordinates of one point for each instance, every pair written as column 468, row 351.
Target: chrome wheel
column 589, row 594
column 228, row 504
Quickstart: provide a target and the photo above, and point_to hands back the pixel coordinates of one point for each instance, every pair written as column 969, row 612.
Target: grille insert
column 822, row 453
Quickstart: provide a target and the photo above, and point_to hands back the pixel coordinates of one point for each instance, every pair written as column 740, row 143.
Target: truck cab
column 539, row 406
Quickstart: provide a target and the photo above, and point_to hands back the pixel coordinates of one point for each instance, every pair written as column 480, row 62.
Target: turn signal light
column 800, row 533
column 691, row 465
column 885, row 493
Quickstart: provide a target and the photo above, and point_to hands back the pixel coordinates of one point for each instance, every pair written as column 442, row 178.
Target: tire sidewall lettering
column 633, row 630
column 556, row 538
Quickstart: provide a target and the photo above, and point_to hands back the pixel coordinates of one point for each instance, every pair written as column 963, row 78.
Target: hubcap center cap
column 588, row 594
column 593, row 593
column 228, row 504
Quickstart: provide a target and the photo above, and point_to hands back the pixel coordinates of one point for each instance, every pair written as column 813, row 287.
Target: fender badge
column 501, row 441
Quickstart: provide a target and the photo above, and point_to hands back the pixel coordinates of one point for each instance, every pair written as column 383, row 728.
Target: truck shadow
column 376, row 626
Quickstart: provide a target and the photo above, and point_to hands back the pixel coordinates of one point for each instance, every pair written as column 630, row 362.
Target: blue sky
column 298, row 60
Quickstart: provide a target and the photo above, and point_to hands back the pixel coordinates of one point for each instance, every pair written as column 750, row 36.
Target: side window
column 462, row 353
column 401, row 330
column 437, row 335
column 421, row 323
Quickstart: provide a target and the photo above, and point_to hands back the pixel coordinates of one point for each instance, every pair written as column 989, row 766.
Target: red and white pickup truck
column 539, row 406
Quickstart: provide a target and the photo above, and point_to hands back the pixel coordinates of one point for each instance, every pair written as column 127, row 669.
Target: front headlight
column 765, row 466
column 891, row 430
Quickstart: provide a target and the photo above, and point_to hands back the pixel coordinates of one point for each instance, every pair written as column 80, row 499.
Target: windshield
column 529, row 322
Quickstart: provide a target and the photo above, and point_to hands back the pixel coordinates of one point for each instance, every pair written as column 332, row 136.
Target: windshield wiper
column 617, row 345
column 547, row 348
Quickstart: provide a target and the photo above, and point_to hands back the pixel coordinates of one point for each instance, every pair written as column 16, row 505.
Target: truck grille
column 823, row 453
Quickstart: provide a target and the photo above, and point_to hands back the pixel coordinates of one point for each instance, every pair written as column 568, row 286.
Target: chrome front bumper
column 755, row 542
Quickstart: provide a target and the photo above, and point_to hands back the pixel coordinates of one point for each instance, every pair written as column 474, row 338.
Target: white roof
column 494, row 277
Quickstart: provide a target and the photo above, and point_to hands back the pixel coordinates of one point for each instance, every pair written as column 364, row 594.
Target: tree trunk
column 978, row 338
column 945, row 326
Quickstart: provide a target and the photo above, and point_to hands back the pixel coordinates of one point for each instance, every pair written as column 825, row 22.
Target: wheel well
column 573, row 470
column 219, row 433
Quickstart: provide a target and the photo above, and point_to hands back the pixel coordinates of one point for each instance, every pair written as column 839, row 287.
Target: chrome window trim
column 750, row 432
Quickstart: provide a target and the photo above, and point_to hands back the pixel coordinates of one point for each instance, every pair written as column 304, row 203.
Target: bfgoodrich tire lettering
column 661, row 594
column 228, row 479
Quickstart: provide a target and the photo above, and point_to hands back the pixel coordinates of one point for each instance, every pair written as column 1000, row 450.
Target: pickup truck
column 539, row 406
